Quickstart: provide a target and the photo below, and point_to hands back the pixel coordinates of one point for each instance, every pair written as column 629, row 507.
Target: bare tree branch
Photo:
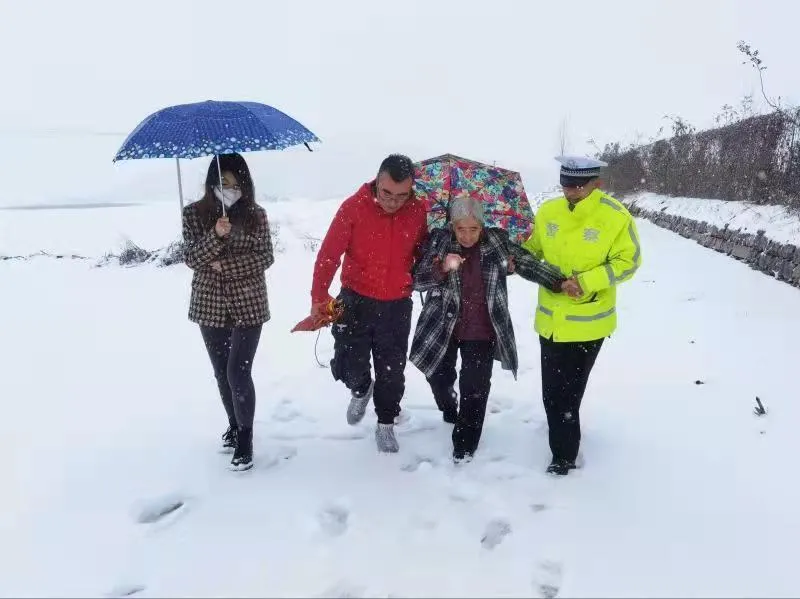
column 757, row 63
column 563, row 136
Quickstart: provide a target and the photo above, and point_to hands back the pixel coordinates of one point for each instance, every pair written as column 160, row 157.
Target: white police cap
column 580, row 166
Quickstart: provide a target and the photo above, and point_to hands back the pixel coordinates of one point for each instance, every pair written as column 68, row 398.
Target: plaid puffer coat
column 237, row 296
column 443, row 300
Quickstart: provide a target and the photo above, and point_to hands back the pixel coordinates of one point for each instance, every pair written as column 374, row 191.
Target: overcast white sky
column 489, row 80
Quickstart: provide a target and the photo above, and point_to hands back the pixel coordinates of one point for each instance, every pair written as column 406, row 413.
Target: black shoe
column 243, row 456
column 560, row 466
column 450, row 409
column 229, row 440
column 461, row 456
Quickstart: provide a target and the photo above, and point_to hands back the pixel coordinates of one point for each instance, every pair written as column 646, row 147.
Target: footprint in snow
column 426, row 523
column 407, row 423
column 286, row 411
column 547, row 579
column 417, row 462
column 126, row 590
column 286, row 452
column 349, row 435
column 278, row 455
column 496, row 530
column 463, row 491
column 161, row 509
column 333, row 519
column 500, row 470
column 344, row 590
column 293, row 436
column 500, row 404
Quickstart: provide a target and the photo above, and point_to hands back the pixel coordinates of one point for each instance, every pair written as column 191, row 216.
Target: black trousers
column 474, row 381
column 232, row 351
column 379, row 329
column 565, row 373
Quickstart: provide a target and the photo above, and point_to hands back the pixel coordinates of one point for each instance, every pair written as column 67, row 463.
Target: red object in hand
column 330, row 313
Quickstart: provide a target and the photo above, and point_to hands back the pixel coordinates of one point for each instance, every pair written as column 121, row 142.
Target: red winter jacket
column 379, row 248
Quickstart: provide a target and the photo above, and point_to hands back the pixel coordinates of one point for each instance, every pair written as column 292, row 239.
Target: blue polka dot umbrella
column 212, row 128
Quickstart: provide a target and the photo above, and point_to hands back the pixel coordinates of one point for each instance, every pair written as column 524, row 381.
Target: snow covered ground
column 778, row 223
column 111, row 417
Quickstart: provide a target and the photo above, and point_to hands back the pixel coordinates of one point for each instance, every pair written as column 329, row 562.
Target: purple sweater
column 473, row 322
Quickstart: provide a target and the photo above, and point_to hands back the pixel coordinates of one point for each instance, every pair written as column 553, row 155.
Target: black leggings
column 232, row 351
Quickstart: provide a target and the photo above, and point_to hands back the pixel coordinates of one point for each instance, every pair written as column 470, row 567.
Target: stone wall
column 779, row 260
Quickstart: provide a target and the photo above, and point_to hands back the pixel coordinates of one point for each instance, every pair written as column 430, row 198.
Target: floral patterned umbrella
column 440, row 179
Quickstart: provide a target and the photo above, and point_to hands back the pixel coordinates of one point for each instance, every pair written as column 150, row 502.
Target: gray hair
column 465, row 207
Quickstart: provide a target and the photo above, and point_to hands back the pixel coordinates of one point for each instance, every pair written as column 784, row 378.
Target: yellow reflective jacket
column 598, row 242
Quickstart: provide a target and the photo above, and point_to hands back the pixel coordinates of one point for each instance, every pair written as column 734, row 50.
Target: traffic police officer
column 593, row 239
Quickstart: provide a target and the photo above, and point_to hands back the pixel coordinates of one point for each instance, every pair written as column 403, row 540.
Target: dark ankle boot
column 466, row 439
column 229, row 439
column 560, row 466
column 447, row 402
column 243, row 456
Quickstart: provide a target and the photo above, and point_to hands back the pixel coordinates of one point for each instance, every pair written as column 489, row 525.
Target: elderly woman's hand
column 571, row 287
column 452, row 262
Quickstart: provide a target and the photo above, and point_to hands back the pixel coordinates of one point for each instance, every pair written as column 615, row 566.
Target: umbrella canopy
column 210, row 128
column 440, row 179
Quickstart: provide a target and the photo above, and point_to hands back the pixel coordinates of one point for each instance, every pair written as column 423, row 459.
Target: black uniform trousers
column 565, row 373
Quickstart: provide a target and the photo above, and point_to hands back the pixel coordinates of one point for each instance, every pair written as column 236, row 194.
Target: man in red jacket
column 380, row 231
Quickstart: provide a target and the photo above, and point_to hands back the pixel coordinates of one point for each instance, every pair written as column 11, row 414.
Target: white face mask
column 228, row 196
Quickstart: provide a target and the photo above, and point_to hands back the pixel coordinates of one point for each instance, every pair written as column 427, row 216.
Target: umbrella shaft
column 180, row 182
column 219, row 171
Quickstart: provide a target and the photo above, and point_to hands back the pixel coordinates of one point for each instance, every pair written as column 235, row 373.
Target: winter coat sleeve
column 200, row 247
column 250, row 253
column 422, row 236
column 421, row 244
column 624, row 259
column 428, row 273
column 329, row 257
column 534, row 243
column 532, row 269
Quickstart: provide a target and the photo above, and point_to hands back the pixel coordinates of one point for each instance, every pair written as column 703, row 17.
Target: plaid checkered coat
column 237, row 296
column 443, row 299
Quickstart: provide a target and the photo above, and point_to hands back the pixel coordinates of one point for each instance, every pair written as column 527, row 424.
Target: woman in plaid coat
column 229, row 256
column 463, row 270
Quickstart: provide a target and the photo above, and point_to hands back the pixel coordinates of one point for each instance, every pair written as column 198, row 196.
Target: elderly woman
column 463, row 270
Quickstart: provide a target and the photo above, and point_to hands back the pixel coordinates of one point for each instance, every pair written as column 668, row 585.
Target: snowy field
column 111, row 417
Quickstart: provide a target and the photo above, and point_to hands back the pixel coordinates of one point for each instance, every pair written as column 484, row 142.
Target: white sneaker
column 358, row 405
